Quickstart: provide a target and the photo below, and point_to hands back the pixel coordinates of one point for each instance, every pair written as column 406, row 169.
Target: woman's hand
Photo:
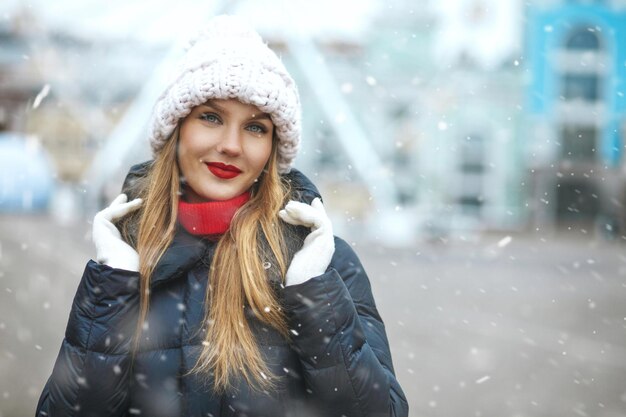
column 319, row 245
column 110, row 248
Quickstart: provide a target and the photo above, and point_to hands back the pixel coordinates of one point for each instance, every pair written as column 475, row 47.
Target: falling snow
column 494, row 248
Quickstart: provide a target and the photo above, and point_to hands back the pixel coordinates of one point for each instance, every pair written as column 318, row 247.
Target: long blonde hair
column 237, row 278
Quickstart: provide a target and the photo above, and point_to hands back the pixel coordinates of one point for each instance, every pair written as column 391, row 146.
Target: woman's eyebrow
column 214, row 106
column 256, row 116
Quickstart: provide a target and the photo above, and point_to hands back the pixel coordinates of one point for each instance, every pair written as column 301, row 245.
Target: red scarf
column 210, row 217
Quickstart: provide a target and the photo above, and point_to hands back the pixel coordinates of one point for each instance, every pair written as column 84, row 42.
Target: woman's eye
column 210, row 117
column 257, row 129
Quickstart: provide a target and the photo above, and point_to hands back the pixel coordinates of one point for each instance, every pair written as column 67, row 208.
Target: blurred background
column 470, row 150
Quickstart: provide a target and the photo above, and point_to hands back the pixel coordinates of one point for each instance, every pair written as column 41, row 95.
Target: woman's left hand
column 319, row 245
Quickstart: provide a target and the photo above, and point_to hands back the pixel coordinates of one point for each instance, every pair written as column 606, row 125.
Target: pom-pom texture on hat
column 228, row 59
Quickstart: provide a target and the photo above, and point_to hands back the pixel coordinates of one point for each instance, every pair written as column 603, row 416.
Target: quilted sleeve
column 341, row 341
column 91, row 373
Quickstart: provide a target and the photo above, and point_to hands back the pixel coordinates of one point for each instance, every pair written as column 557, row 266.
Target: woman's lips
column 223, row 171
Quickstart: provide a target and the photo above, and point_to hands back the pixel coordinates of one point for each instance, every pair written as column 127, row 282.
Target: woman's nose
column 230, row 143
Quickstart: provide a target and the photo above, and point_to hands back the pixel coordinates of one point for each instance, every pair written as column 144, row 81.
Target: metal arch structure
column 356, row 144
column 118, row 147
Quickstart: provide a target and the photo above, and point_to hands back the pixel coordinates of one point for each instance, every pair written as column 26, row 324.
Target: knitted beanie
column 228, row 59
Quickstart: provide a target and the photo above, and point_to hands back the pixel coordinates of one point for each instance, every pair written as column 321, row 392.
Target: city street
column 526, row 325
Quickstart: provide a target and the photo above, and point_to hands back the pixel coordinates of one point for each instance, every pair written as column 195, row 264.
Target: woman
column 221, row 290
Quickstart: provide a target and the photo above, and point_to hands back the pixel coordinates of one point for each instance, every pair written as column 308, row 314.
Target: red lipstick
column 223, row 171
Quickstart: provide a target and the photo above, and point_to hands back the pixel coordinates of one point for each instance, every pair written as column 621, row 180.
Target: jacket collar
column 183, row 253
column 302, row 188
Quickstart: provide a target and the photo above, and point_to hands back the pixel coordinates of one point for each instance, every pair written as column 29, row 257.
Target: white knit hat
column 228, row 59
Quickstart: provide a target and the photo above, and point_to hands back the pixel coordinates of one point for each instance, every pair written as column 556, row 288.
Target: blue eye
column 260, row 129
column 210, row 117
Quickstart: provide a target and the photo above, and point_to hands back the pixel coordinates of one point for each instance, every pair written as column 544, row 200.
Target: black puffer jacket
column 338, row 362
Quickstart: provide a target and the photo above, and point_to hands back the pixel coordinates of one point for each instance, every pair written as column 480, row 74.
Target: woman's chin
column 216, row 195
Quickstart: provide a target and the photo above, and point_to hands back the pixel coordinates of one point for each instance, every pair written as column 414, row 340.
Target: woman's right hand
column 111, row 249
column 319, row 246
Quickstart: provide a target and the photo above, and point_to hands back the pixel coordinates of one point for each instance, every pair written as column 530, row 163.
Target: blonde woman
column 219, row 288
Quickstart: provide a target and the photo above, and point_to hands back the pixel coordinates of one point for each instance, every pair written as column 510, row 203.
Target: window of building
column 578, row 143
column 580, row 87
column 583, row 39
column 577, row 201
column 472, row 155
column 471, row 170
column 576, row 82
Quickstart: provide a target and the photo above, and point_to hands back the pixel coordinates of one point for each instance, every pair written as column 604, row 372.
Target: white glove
column 319, row 245
column 110, row 248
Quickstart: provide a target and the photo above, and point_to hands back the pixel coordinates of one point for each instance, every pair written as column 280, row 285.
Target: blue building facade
column 576, row 53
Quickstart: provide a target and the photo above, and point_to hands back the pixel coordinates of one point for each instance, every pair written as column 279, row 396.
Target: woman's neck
column 209, row 218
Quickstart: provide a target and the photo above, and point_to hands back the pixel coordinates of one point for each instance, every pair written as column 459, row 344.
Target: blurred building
column 26, row 174
column 577, row 114
column 65, row 89
column 448, row 111
column 460, row 116
column 19, row 80
column 26, row 104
